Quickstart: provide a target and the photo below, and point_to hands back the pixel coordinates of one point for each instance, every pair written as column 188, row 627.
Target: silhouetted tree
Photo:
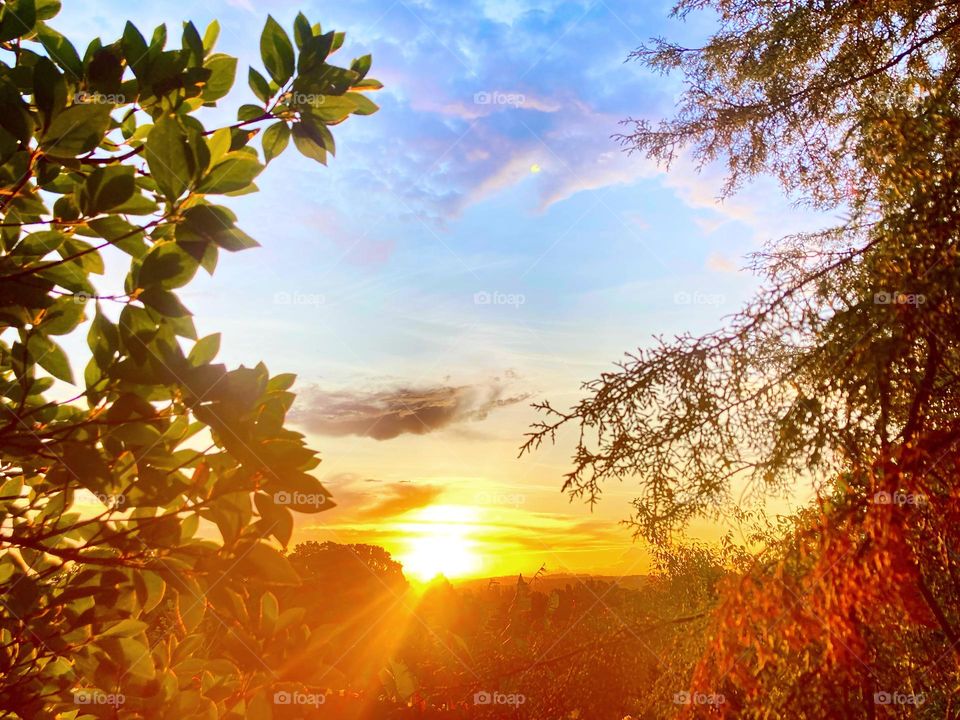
column 843, row 370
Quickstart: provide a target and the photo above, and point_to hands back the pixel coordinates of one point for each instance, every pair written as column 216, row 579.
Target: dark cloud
column 386, row 414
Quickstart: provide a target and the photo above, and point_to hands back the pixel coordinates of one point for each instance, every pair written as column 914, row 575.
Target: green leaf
column 47, row 9
column 223, row 71
column 219, row 144
column 120, row 233
column 105, row 75
column 281, row 382
column 63, row 316
column 404, row 681
column 51, row 357
column 275, row 139
column 106, row 188
column 309, row 142
column 125, row 628
column 132, row 655
column 150, row 588
column 17, row 19
column 204, row 350
column 267, row 564
column 269, row 612
column 259, row 85
column 77, row 130
column 69, row 276
column 159, row 38
column 15, row 119
column 364, row 105
column 39, row 243
column 102, row 339
column 277, row 519
column 191, row 610
column 49, row 89
column 84, row 254
column 166, row 265
column 58, row 667
column 163, row 301
column 249, row 112
column 301, row 29
column 137, row 330
column 334, row 108
column 137, row 205
column 361, row 65
column 315, row 51
column 134, row 49
column 206, row 224
column 210, row 36
column 171, row 161
column 8, row 144
column 369, row 84
column 276, row 51
column 61, row 51
column 235, row 172
column 192, row 43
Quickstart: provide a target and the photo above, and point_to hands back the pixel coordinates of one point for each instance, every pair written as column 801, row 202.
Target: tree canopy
column 151, row 481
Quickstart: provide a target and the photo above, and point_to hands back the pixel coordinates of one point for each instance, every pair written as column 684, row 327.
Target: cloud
column 720, row 263
column 487, row 102
column 516, row 91
column 397, row 499
column 387, row 414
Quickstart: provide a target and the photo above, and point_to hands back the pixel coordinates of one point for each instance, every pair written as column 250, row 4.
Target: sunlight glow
column 441, row 543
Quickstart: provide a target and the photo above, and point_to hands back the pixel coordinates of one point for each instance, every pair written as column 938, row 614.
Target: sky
column 479, row 244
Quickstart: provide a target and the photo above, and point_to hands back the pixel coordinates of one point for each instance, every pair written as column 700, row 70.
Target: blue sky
column 479, row 243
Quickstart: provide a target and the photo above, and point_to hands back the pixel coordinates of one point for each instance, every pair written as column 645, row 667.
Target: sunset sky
column 479, row 244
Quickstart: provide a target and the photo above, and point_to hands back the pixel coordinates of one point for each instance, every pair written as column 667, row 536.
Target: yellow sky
column 471, row 508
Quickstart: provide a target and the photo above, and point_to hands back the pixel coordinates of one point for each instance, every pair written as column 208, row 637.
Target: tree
column 195, row 475
column 843, row 368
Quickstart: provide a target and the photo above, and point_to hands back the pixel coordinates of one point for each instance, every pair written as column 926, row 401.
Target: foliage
column 162, row 479
column 556, row 647
column 842, row 371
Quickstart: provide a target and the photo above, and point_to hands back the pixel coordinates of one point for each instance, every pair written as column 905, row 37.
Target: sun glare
column 440, row 542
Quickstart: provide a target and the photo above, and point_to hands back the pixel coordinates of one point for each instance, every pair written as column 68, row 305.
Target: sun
column 440, row 542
